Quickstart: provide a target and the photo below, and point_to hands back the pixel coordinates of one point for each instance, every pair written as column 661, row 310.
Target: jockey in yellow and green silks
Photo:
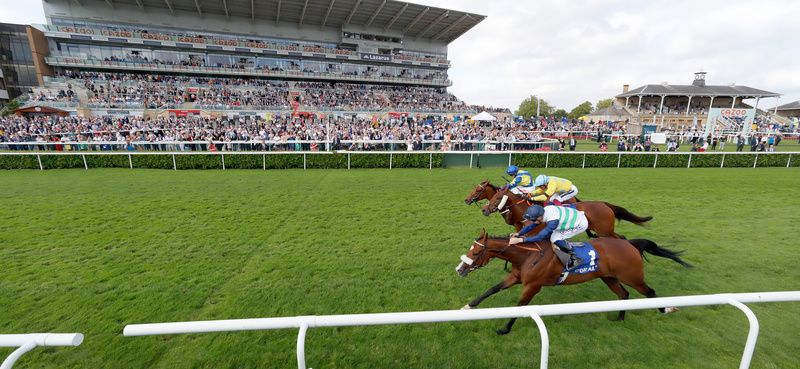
column 554, row 189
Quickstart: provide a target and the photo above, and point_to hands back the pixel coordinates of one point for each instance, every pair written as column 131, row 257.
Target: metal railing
column 67, row 61
column 536, row 312
column 27, row 342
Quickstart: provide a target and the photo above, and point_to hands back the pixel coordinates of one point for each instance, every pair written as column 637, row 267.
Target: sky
column 570, row 51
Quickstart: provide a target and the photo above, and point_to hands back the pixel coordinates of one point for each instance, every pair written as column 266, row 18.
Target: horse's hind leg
column 527, row 294
column 619, row 290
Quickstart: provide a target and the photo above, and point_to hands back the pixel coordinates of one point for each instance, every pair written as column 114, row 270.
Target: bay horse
column 600, row 214
column 483, row 191
column 536, row 265
column 486, row 190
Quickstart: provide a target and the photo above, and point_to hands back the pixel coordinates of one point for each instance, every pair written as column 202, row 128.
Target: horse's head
column 476, row 257
column 478, row 193
column 498, row 202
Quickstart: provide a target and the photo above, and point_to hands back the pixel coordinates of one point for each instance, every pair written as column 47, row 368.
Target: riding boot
column 565, row 246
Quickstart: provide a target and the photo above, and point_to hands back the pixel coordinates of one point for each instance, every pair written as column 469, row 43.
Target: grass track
column 94, row 250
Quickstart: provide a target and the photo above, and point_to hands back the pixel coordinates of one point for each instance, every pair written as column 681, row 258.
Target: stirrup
column 574, row 261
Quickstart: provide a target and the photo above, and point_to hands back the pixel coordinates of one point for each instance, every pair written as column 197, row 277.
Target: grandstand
column 161, row 58
column 680, row 106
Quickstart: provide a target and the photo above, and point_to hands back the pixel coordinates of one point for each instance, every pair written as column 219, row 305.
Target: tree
column 527, row 108
column 580, row 110
column 560, row 113
column 10, row 107
column 605, row 103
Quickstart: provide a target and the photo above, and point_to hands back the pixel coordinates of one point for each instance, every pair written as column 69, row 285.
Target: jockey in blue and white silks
column 522, row 184
column 561, row 224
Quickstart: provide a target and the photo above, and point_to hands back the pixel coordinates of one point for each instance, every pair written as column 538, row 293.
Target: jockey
column 522, row 182
column 553, row 189
column 561, row 224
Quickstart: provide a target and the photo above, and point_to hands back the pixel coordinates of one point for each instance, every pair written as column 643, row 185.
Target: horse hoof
column 671, row 309
column 466, row 307
column 502, row 332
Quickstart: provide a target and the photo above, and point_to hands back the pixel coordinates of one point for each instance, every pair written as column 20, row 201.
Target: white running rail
column 534, row 311
column 27, row 342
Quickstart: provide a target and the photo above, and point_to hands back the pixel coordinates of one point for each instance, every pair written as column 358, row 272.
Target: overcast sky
column 577, row 50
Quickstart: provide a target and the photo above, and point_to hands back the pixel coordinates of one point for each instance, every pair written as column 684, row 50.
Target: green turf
column 91, row 251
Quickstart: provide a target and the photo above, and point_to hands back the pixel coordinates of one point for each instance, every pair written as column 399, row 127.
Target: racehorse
column 483, row 191
column 486, row 190
column 600, row 214
column 536, row 265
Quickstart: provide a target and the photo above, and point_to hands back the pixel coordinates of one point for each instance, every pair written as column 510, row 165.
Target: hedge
column 398, row 160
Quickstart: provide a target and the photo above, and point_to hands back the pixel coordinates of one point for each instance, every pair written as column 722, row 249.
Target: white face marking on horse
column 472, row 248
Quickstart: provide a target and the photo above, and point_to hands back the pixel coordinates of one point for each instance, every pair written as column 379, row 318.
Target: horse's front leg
column 507, row 282
column 527, row 294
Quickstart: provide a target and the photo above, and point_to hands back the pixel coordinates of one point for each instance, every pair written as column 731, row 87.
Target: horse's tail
column 623, row 214
column 652, row 248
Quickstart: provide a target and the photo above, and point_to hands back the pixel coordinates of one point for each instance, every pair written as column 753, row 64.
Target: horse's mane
column 498, row 238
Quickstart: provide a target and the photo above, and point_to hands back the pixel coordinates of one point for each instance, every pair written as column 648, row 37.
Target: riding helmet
column 512, row 170
column 541, row 180
column 534, row 212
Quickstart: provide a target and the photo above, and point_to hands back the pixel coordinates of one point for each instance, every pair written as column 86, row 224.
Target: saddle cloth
column 588, row 255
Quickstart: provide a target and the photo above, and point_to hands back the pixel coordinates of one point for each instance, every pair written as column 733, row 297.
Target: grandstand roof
column 693, row 90
column 795, row 105
column 412, row 20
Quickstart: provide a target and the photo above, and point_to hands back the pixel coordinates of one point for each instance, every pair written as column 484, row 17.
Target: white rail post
column 583, row 165
column 174, row 165
column 304, row 161
column 722, row 164
column 348, row 160
column 544, row 357
column 655, row 162
column 470, row 161
column 689, row 164
column 130, row 161
column 264, row 161
column 16, row 354
column 619, row 159
column 39, row 159
column 509, row 159
column 301, row 345
column 755, row 161
column 430, row 161
column 752, row 334
column 390, row 160
column 789, row 161
column 85, row 166
column 27, row 342
column 546, row 160
column 223, row 160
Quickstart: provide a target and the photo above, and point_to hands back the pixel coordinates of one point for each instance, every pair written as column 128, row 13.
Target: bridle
column 483, row 250
column 474, row 198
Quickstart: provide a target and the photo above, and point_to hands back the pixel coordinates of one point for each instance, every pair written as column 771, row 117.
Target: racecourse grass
column 92, row 251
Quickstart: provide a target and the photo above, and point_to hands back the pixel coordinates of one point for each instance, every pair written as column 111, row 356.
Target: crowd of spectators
column 122, row 90
column 287, row 132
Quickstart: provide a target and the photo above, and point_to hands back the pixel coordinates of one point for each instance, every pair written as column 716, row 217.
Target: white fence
column 27, row 342
column 536, row 312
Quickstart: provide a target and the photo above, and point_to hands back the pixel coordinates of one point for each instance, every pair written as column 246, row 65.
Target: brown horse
column 483, row 191
column 601, row 215
column 536, row 265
